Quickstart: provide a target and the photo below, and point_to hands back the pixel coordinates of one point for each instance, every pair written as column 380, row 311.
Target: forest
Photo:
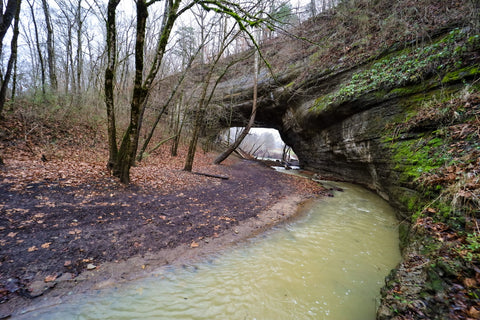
column 107, row 65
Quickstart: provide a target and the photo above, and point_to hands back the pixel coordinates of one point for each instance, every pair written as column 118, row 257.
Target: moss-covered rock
column 405, row 124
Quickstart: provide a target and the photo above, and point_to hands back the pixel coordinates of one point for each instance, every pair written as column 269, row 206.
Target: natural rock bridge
column 347, row 136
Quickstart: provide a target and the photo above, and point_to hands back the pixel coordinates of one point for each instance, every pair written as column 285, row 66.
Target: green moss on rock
column 461, row 74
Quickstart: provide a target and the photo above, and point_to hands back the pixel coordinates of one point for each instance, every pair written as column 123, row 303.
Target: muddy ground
column 57, row 236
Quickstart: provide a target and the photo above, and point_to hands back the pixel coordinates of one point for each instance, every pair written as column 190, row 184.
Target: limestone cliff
column 404, row 121
column 340, row 122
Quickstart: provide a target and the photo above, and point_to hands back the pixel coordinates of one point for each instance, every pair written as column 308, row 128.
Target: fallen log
column 211, row 175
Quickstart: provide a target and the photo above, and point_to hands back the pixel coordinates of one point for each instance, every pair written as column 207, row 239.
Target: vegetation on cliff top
column 408, row 66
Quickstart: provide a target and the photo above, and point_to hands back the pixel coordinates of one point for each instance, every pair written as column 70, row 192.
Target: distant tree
column 187, row 45
column 224, row 155
column 41, row 61
column 206, row 96
column 268, row 140
column 313, row 7
column 279, row 17
column 50, row 47
column 282, row 14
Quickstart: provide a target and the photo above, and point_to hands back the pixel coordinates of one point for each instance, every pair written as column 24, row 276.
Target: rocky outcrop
column 348, row 136
column 400, row 124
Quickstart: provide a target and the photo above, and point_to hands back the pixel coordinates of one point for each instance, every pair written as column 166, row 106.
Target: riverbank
column 328, row 263
column 65, row 235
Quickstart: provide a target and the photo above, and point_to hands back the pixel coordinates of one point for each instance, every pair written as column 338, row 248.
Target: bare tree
column 65, row 26
column 313, row 7
column 79, row 18
column 50, row 47
column 72, row 24
column 224, row 155
column 109, row 81
column 206, row 96
column 167, row 103
column 144, row 80
column 4, row 19
column 37, row 44
column 125, row 157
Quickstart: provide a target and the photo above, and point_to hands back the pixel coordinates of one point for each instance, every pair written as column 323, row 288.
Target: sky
column 26, row 52
column 129, row 5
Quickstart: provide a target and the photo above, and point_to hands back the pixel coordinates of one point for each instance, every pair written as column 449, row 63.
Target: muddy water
column 329, row 264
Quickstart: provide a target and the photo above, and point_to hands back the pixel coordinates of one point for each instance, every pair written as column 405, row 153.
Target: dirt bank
column 59, row 237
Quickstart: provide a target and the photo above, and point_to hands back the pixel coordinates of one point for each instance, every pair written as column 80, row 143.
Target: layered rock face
column 355, row 142
column 405, row 124
column 347, row 147
column 341, row 123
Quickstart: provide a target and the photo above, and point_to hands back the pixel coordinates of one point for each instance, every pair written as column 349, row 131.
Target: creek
column 329, row 263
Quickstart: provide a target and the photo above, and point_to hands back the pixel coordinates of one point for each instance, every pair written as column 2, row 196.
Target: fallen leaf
column 469, row 282
column 76, row 231
column 194, row 245
column 33, row 248
column 50, row 278
column 46, row 245
column 12, row 234
column 474, row 313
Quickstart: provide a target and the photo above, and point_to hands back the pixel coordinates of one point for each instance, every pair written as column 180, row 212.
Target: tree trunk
column 176, row 139
column 109, row 81
column 177, row 127
column 199, row 117
column 6, row 18
column 128, row 148
column 126, row 154
column 79, row 53
column 313, row 7
column 14, row 83
column 70, row 73
column 39, row 49
column 192, row 147
column 12, row 60
column 50, row 48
